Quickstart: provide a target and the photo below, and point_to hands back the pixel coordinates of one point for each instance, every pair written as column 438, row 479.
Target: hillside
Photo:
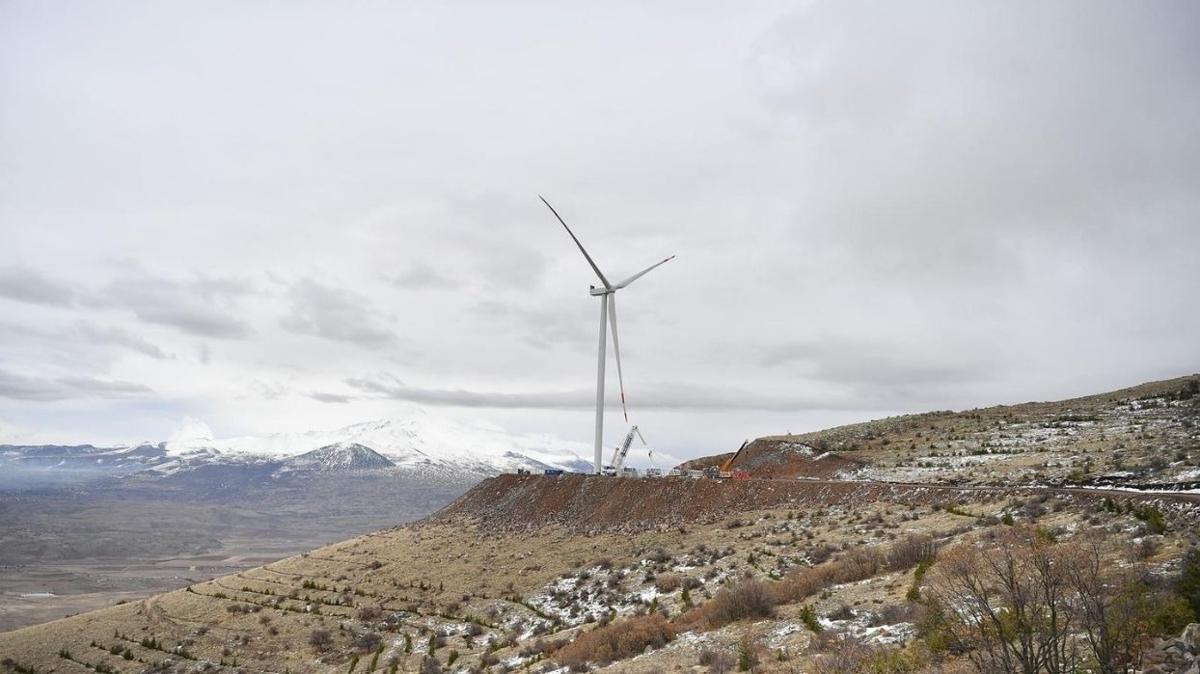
column 500, row 576
column 542, row 573
column 1145, row 437
column 82, row 526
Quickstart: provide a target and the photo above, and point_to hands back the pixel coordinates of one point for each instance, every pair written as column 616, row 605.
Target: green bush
column 1188, row 586
column 809, row 617
column 1153, row 517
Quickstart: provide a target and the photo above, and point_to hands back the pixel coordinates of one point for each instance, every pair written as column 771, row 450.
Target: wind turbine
column 608, row 316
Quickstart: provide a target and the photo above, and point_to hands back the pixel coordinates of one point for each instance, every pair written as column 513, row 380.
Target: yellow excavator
column 726, row 471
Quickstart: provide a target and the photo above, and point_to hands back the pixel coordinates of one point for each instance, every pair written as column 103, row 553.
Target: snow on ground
column 860, row 628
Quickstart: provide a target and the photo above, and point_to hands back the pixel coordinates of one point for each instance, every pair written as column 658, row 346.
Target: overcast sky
column 287, row 216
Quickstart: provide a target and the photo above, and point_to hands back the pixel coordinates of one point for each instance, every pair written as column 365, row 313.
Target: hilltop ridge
column 1145, row 436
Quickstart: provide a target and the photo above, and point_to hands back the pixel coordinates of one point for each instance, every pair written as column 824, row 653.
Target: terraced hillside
column 1146, row 437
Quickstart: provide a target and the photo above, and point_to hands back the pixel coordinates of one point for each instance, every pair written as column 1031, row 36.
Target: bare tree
column 1114, row 606
column 1009, row 608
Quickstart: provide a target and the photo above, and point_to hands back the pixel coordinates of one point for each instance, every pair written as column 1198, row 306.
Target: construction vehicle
column 619, row 454
column 726, row 471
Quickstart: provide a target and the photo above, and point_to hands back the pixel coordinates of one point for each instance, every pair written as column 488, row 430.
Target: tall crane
column 726, row 470
column 621, row 452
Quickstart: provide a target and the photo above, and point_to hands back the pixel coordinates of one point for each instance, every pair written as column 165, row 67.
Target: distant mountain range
column 418, row 443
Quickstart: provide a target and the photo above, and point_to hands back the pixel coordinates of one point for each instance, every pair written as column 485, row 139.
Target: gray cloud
column 23, row 284
column 331, row 397
column 20, row 387
column 27, row 388
column 335, row 314
column 878, row 364
column 202, row 308
column 653, row 397
column 421, row 276
column 876, row 209
column 103, row 388
column 96, row 334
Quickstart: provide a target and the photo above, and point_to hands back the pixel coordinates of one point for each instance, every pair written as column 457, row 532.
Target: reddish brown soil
column 783, row 458
column 585, row 502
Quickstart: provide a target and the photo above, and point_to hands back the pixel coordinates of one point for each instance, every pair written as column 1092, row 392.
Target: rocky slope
column 1143, row 437
column 505, row 579
column 592, row 503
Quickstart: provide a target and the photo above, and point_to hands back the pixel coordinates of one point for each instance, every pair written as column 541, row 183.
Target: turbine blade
column 640, row 274
column 612, row 321
column 581, row 249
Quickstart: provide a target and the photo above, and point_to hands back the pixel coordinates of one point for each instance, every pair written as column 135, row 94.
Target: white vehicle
column 654, row 472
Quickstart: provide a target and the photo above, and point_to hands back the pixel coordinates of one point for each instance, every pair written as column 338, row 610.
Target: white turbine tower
column 608, row 315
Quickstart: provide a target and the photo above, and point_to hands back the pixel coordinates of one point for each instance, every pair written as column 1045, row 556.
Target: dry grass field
column 459, row 592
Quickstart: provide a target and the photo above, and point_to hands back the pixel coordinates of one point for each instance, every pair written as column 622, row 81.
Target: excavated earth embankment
column 774, row 458
column 593, row 503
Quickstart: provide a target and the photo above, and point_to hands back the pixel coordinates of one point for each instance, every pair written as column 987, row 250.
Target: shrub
column 368, row 613
column 368, row 641
column 852, row 655
column 1188, row 585
column 910, row 551
column 747, row 599
column 914, row 592
column 718, row 662
column 616, row 641
column 320, row 640
column 1153, row 517
column 747, row 657
column 809, row 617
column 660, row 556
column 667, row 582
column 843, row 612
column 1026, row 599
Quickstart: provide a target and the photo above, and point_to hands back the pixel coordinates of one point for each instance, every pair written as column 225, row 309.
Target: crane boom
column 726, row 469
column 623, row 450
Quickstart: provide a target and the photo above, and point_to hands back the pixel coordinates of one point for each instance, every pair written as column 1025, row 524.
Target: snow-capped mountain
column 340, row 456
column 417, row 443
column 418, row 439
